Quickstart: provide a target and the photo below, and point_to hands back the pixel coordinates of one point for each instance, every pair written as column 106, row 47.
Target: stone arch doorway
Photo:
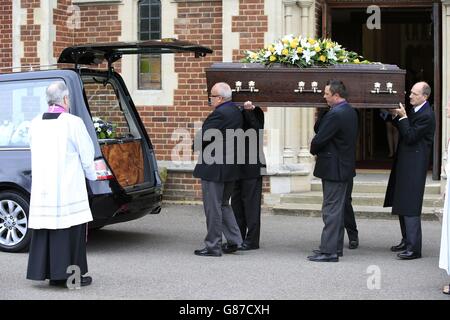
column 410, row 38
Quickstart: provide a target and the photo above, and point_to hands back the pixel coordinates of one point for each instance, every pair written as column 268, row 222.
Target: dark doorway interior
column 406, row 40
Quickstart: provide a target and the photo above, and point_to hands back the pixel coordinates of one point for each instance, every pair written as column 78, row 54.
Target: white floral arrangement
column 303, row 52
column 104, row 129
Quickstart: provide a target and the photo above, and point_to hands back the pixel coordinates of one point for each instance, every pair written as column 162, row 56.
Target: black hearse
column 129, row 186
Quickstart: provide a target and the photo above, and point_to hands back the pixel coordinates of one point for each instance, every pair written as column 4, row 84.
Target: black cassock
column 52, row 251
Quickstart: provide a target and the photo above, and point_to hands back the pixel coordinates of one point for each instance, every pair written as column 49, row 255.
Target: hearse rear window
column 20, row 102
column 110, row 113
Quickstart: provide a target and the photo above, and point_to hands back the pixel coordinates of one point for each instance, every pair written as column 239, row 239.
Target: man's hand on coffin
column 248, row 105
column 393, row 113
column 401, row 112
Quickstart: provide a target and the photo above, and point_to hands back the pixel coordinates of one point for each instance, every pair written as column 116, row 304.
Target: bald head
column 420, row 92
column 426, row 89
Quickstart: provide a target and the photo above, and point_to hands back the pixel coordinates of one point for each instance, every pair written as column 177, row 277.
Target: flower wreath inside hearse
column 104, row 129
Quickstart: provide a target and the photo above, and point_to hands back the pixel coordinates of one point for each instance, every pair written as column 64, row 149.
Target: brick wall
column 251, row 25
column 30, row 34
column 65, row 32
column 198, row 22
column 5, row 34
column 99, row 23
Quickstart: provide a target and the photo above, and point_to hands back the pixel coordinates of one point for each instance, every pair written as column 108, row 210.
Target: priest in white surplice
column 444, row 255
column 62, row 155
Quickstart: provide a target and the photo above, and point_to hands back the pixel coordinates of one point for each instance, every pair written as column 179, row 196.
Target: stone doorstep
column 315, row 210
column 378, row 187
column 358, row 199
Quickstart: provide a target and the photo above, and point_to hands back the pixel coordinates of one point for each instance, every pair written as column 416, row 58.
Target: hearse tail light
column 102, row 170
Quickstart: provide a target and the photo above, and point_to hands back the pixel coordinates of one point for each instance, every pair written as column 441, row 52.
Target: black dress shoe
column 85, row 281
column 229, row 248
column 246, row 247
column 57, row 283
column 323, row 257
column 400, row 247
column 409, row 255
column 353, row 244
column 206, row 253
column 317, row 251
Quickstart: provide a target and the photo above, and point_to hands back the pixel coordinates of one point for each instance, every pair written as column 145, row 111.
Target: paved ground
column 152, row 258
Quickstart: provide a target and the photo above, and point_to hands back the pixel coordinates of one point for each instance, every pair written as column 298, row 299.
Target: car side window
column 20, row 102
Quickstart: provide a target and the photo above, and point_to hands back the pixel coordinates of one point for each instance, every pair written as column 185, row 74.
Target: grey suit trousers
column 219, row 215
column 333, row 208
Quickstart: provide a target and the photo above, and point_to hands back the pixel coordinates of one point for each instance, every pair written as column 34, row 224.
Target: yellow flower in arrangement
column 303, row 52
column 312, row 41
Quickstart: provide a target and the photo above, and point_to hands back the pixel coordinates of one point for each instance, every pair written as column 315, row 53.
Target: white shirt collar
column 418, row 107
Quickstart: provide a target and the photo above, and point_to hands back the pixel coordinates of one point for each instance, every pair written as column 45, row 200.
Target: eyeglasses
column 214, row 96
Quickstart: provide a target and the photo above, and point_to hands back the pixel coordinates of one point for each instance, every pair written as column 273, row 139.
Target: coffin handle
column 251, row 87
column 377, row 86
column 301, row 88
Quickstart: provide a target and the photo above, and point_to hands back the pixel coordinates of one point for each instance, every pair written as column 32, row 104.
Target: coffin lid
column 342, row 68
column 98, row 53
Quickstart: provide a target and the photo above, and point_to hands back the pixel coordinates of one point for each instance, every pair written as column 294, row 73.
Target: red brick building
column 170, row 91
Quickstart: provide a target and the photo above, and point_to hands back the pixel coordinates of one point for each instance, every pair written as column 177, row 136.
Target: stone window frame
column 157, row 57
column 128, row 12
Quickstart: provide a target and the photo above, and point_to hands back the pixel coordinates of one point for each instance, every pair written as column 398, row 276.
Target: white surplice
column 62, row 155
column 444, row 254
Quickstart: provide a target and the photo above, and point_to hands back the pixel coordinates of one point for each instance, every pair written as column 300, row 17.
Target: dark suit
column 409, row 171
column 217, row 167
column 335, row 146
column 349, row 214
column 246, row 198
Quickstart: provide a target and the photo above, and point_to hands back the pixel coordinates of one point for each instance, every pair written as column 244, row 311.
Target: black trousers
column 246, row 204
column 349, row 214
column 411, row 228
column 52, row 251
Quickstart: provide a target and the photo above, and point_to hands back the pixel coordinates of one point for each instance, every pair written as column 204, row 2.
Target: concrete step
column 315, row 210
column 377, row 187
column 358, row 199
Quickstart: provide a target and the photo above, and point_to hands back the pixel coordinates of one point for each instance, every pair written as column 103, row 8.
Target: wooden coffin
column 126, row 162
column 368, row 85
